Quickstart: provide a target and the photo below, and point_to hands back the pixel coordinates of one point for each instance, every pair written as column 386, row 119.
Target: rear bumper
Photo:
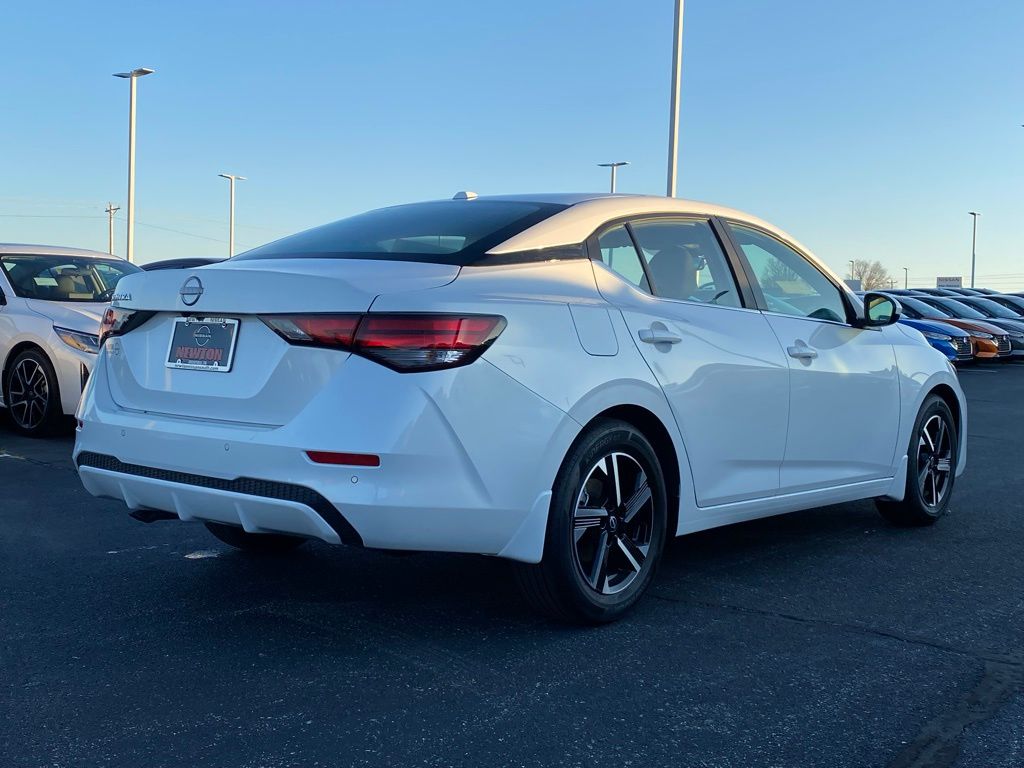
column 467, row 461
column 258, row 506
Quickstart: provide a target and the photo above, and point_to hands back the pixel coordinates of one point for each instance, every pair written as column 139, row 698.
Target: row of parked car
column 966, row 324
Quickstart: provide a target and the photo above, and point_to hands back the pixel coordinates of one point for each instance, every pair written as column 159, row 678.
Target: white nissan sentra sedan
column 559, row 380
column 51, row 302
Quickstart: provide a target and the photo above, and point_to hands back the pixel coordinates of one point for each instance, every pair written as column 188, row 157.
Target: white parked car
column 51, row 302
column 560, row 380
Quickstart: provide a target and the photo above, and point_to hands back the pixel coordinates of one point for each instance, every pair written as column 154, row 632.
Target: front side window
column 619, row 255
column 686, row 262
column 64, row 278
column 790, row 283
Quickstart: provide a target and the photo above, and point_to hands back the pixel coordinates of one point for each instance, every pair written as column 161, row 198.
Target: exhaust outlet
column 151, row 515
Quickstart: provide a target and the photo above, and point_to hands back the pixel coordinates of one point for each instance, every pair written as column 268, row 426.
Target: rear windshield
column 64, row 278
column 446, row 231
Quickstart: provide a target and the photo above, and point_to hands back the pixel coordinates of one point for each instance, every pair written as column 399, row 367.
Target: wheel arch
column 652, row 427
column 949, row 397
column 17, row 349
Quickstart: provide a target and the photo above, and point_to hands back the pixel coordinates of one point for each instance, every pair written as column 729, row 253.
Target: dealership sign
column 949, row 282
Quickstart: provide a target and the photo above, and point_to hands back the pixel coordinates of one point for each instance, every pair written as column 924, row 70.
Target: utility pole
column 974, row 243
column 614, row 166
column 673, row 122
column 231, row 216
column 852, row 276
column 132, row 76
column 111, row 210
column 906, row 278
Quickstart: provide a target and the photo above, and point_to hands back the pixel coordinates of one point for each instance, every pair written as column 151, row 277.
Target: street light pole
column 906, row 277
column 673, row 122
column 111, row 210
column 614, row 166
column 231, row 217
column 974, row 243
column 851, row 270
column 132, row 76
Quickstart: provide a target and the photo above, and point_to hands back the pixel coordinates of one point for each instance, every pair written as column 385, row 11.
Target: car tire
column 604, row 538
column 931, row 470
column 258, row 543
column 32, row 395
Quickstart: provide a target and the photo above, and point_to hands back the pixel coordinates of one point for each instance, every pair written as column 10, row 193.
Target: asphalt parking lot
column 822, row 638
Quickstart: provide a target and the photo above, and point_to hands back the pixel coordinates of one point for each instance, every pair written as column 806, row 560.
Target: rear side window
column 445, row 231
column 618, row 253
column 686, row 262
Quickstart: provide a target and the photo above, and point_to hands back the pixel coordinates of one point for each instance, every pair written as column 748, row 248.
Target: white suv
column 51, row 302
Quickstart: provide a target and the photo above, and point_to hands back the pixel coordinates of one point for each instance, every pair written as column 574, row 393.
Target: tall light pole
column 132, row 76
column 673, row 120
column 974, row 243
column 111, row 210
column 851, row 269
column 906, row 277
column 232, row 178
column 614, row 166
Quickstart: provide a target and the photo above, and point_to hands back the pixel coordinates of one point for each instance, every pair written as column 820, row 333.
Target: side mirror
column 880, row 309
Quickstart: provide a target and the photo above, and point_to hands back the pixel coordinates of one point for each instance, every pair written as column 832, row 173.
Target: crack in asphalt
column 37, row 462
column 937, row 745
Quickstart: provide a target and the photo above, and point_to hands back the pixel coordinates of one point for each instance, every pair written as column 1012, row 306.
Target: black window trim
column 735, row 266
column 761, row 301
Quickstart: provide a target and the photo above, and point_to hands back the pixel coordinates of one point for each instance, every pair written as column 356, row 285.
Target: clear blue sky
column 867, row 129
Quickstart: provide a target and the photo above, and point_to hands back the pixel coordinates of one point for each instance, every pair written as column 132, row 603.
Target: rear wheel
column 606, row 528
column 32, row 395
column 931, row 470
column 260, row 543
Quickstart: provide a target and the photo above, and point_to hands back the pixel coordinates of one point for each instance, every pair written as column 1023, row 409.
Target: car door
column 845, row 400
column 717, row 360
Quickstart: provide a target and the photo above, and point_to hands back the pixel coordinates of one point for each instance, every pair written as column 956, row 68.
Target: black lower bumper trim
column 249, row 486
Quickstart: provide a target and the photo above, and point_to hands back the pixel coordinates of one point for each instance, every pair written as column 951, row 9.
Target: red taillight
column 404, row 342
column 117, row 322
column 422, row 342
column 315, row 330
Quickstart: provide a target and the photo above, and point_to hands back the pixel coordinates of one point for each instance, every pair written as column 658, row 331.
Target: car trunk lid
column 269, row 380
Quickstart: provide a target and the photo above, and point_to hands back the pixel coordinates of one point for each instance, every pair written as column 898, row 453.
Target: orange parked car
column 989, row 341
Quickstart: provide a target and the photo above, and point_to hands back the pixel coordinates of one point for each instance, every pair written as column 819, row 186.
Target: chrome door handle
column 802, row 352
column 659, row 336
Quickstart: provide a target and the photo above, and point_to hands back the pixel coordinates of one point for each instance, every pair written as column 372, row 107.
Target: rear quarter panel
column 541, row 349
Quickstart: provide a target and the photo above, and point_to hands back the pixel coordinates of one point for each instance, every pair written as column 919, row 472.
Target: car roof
column 585, row 212
column 51, row 250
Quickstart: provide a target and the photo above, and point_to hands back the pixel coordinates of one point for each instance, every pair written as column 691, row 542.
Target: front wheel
column 931, row 468
column 606, row 528
column 258, row 543
column 32, row 395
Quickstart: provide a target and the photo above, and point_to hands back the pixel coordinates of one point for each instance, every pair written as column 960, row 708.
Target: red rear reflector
column 348, row 459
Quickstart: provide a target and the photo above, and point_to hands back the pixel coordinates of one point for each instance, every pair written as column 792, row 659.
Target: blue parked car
column 953, row 342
